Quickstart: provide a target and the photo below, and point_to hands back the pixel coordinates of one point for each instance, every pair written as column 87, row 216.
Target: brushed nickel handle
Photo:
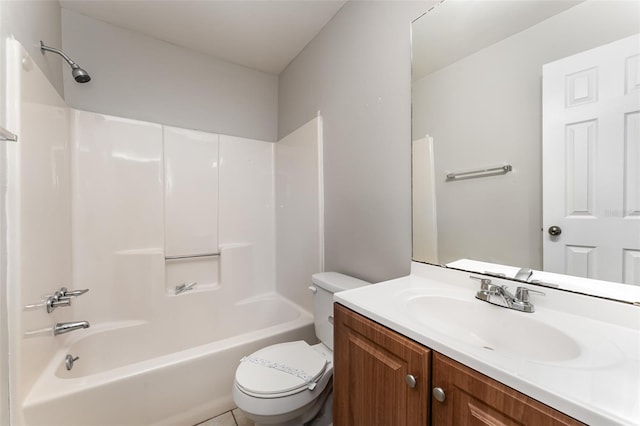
column 438, row 394
column 411, row 380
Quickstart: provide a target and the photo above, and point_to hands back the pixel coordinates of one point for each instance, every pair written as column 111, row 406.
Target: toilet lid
column 285, row 368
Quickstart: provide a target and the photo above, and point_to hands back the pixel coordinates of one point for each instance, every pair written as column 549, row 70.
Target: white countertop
column 598, row 385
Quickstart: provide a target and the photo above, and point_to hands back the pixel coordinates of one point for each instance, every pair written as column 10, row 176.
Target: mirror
column 487, row 142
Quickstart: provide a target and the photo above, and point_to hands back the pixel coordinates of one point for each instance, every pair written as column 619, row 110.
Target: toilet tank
column 325, row 284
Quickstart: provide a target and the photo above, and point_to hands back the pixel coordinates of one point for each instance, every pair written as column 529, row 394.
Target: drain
column 488, row 348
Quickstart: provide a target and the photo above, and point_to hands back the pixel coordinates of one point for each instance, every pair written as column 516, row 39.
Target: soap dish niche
column 183, row 273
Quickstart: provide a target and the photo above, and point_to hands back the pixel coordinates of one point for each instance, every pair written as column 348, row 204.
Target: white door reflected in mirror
column 591, row 163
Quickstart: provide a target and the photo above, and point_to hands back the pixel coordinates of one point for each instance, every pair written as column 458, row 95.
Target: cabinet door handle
column 438, row 394
column 411, row 380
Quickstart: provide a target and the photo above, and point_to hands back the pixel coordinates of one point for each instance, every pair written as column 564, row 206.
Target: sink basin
column 493, row 328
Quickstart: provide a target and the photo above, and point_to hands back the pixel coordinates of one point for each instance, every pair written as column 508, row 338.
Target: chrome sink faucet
column 489, row 292
column 524, row 274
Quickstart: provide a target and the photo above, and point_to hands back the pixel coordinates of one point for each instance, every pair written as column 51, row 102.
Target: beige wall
column 30, row 21
column 357, row 73
column 143, row 78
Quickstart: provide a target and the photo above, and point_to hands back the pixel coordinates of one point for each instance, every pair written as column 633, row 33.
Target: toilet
column 289, row 384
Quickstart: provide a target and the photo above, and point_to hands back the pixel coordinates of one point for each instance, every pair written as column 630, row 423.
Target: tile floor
column 230, row 418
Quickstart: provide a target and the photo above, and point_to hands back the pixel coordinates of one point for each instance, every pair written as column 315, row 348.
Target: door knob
column 411, row 380
column 555, row 230
column 438, row 394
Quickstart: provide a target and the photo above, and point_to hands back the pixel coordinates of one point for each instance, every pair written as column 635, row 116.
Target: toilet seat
column 280, row 370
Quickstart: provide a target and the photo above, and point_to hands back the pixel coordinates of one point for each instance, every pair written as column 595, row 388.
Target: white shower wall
column 247, row 213
column 190, row 192
column 300, row 211
column 38, row 218
column 129, row 213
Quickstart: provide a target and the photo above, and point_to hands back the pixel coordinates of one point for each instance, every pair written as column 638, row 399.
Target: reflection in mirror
column 545, row 95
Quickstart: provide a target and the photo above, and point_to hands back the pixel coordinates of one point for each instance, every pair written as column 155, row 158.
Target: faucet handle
column 486, row 284
column 64, row 293
column 54, row 302
column 522, row 294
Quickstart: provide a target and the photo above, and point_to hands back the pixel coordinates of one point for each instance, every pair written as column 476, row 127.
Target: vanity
column 423, row 349
column 511, row 121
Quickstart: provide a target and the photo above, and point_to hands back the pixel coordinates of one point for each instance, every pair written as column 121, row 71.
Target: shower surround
column 132, row 210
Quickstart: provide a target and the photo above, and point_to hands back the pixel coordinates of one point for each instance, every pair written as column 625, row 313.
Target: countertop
column 598, row 385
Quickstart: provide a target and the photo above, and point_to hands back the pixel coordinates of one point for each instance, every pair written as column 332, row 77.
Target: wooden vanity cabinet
column 472, row 398
column 371, row 367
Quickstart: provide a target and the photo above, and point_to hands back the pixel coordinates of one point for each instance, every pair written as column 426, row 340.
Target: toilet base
column 325, row 416
column 320, row 408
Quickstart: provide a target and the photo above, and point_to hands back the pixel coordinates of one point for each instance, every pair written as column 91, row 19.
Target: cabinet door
column 370, row 374
column 474, row 399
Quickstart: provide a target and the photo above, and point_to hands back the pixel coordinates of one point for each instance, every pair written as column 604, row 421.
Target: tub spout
column 66, row 327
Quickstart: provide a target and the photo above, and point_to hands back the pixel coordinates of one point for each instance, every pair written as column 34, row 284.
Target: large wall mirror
column 526, row 139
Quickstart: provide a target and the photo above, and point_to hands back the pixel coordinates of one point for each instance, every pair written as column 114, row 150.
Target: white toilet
column 289, row 384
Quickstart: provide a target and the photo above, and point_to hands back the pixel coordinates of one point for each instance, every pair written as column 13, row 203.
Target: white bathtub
column 177, row 373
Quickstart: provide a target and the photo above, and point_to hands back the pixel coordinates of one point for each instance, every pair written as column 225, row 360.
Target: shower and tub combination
column 175, row 234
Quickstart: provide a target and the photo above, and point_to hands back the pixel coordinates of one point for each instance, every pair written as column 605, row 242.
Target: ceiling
column 264, row 35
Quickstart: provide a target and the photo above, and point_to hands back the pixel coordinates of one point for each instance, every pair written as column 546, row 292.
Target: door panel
column 591, row 163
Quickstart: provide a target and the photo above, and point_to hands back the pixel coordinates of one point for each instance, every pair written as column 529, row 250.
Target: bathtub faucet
column 66, row 327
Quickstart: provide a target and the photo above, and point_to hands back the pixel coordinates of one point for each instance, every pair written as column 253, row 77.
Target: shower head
column 79, row 75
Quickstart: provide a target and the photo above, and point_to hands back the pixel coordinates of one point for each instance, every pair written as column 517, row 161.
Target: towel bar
column 505, row 168
column 189, row 256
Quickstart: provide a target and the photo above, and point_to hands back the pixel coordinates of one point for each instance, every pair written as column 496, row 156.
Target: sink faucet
column 524, row 274
column 66, row 327
column 519, row 301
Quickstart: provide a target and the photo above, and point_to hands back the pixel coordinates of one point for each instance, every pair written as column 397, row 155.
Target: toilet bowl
column 289, row 384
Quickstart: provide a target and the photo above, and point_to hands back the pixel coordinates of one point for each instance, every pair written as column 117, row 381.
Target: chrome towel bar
column 490, row 171
column 189, row 256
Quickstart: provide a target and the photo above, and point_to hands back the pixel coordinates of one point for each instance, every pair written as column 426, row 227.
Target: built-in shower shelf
column 181, row 271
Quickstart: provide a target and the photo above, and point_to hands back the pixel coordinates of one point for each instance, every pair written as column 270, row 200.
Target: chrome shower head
column 79, row 75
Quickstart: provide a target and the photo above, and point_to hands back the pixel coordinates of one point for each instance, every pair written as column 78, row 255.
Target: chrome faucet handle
column 522, row 294
column 485, row 283
column 54, row 302
column 488, row 289
column 63, row 293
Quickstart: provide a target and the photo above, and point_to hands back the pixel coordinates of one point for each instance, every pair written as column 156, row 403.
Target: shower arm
column 59, row 52
column 79, row 75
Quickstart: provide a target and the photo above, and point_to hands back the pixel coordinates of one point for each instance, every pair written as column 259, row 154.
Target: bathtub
column 179, row 372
